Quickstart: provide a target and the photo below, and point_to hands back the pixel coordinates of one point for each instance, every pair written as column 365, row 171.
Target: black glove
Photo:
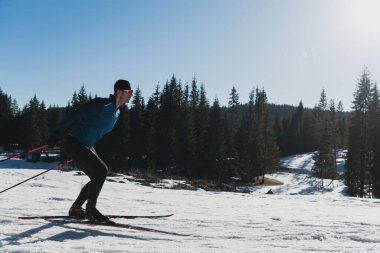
column 53, row 139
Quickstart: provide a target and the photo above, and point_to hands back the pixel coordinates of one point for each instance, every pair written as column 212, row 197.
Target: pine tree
column 323, row 100
column 137, row 140
column 156, row 96
column 324, row 165
column 15, row 115
column 248, row 146
column 43, row 122
column 333, row 134
column 201, row 131
column 307, row 135
column 194, row 96
column 82, row 95
column 166, row 125
column 150, row 129
column 196, row 118
column 78, row 98
column 185, row 140
column 54, row 117
column 279, row 133
column 215, row 151
column 296, row 133
column 319, row 115
column 31, row 134
column 233, row 124
column 267, row 152
column 374, row 133
column 74, row 104
column 234, row 111
column 342, row 126
column 325, row 157
column 359, row 155
column 5, row 118
column 15, row 110
column 284, row 138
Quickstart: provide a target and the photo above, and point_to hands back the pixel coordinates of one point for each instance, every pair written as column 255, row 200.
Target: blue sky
column 291, row 48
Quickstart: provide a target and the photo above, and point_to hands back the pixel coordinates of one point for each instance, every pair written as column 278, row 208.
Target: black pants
column 88, row 161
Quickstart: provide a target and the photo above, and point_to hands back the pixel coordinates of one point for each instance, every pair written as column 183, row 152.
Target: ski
column 109, row 216
column 114, row 225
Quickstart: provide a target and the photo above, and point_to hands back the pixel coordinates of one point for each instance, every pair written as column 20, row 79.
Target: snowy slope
column 304, row 163
column 298, row 217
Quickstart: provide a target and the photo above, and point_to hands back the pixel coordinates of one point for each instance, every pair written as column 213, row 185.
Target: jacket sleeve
column 92, row 107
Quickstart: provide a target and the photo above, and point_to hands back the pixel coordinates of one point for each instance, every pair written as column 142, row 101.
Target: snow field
column 299, row 217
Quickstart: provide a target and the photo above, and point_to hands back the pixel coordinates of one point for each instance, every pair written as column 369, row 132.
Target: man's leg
column 89, row 162
column 82, row 197
column 98, row 176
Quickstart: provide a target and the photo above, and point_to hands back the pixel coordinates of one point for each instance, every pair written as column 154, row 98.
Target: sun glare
column 364, row 17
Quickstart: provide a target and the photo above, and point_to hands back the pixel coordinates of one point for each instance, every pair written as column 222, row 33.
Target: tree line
column 178, row 131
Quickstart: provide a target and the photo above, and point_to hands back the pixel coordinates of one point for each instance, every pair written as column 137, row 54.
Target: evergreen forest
column 179, row 131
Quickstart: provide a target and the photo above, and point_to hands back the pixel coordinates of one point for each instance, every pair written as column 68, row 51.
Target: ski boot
column 77, row 212
column 93, row 214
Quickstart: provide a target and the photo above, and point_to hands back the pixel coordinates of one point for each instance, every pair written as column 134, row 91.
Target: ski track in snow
column 298, row 217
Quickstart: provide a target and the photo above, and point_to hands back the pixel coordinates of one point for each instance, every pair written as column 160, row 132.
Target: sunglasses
column 129, row 92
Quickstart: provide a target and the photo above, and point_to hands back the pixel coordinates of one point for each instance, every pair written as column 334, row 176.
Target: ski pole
column 55, row 167
column 24, row 153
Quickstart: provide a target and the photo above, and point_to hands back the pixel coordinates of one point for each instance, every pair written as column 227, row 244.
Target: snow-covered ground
column 298, row 217
column 304, row 163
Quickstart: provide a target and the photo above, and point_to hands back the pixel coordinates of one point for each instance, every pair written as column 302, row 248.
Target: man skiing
column 79, row 132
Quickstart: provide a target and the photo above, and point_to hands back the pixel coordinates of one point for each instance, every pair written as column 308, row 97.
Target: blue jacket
column 91, row 121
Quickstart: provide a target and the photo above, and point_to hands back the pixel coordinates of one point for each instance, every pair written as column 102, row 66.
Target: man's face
column 125, row 95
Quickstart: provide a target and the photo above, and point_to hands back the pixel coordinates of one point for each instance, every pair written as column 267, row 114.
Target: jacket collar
column 112, row 99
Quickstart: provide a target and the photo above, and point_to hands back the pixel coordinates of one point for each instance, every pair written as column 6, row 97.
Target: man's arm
column 92, row 107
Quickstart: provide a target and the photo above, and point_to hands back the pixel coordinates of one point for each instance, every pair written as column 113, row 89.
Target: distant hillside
column 282, row 111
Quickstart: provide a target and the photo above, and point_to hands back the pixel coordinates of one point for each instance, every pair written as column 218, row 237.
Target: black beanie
column 122, row 85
